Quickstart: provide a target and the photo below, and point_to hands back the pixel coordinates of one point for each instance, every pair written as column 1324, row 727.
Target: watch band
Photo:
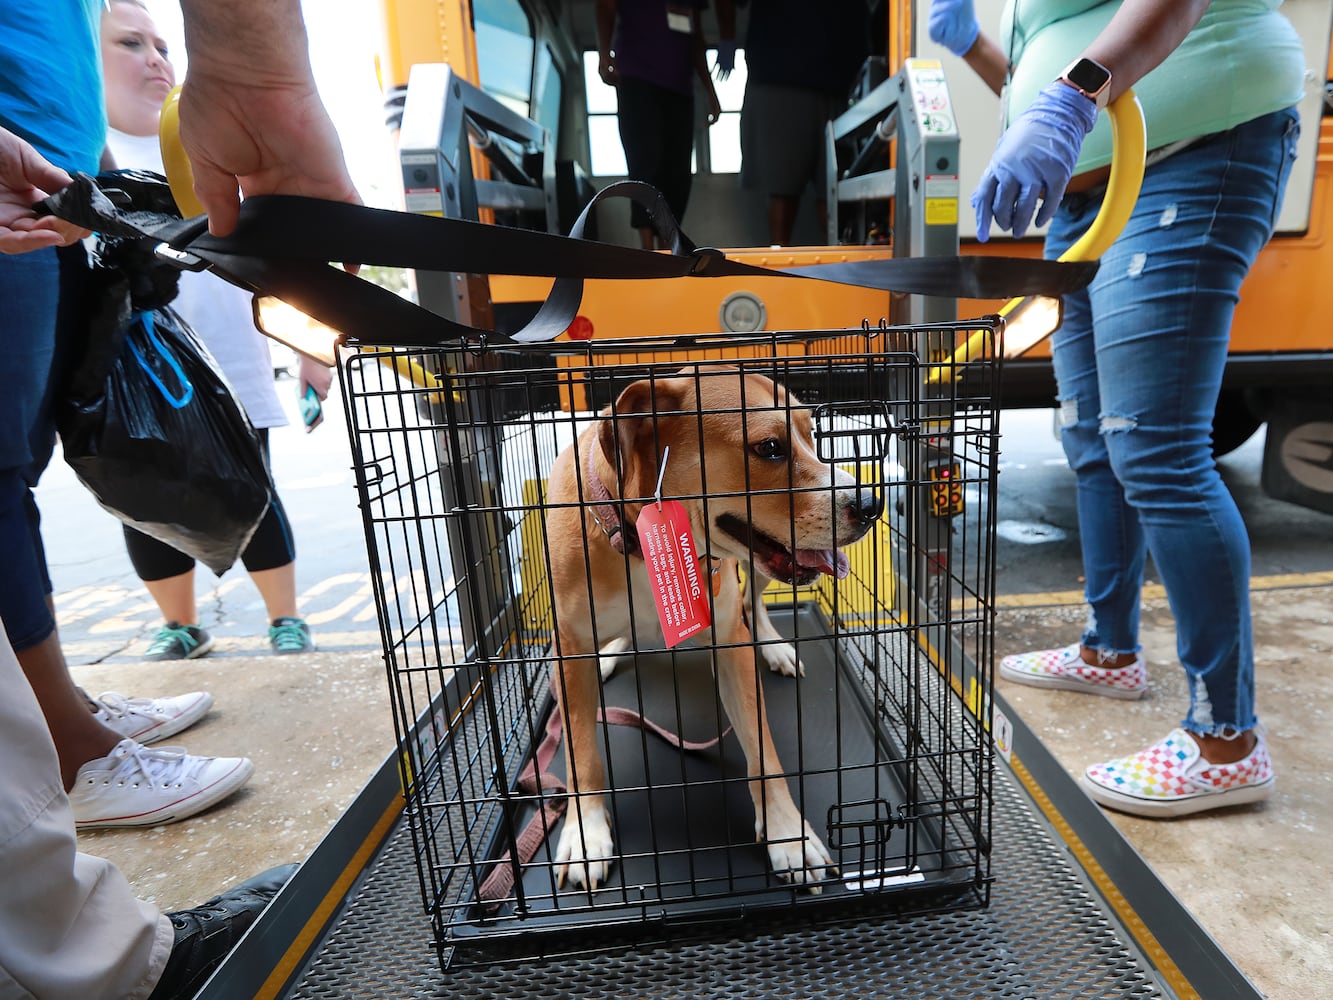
column 1091, row 79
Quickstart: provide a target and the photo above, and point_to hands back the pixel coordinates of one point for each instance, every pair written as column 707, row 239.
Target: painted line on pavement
column 92, row 650
column 124, row 617
column 1155, row 591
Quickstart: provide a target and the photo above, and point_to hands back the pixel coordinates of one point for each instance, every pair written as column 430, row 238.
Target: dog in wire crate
column 652, row 513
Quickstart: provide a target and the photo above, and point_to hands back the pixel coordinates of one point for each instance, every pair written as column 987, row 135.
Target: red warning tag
column 679, row 587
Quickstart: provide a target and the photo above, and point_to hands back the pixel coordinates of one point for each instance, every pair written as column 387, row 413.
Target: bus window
column 608, row 156
column 547, row 95
column 505, row 52
column 718, row 148
column 724, row 138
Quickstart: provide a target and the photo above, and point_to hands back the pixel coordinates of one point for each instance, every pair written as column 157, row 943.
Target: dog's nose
column 866, row 506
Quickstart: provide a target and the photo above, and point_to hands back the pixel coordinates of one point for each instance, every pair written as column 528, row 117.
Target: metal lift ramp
column 1074, row 912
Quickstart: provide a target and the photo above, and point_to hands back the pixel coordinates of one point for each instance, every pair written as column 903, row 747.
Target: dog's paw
column 611, row 656
column 781, row 658
column 583, row 854
column 802, row 860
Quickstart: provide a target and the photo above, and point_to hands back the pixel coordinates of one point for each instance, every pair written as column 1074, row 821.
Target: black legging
column 657, row 132
column 270, row 546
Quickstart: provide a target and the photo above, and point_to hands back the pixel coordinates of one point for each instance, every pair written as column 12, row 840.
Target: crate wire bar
column 883, row 740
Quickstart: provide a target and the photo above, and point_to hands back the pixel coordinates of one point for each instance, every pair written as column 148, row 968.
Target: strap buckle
column 703, row 259
column 181, row 259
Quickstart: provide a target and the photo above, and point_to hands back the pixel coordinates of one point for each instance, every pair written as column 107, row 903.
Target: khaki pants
column 71, row 927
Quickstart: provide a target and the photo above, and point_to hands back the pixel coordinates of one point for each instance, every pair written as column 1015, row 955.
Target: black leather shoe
column 206, row 934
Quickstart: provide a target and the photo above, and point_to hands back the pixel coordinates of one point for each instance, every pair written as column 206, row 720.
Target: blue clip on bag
column 163, row 444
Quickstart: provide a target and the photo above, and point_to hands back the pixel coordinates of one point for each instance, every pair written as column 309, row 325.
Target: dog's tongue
column 830, row 561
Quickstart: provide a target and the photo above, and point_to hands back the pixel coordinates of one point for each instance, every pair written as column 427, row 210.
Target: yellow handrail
column 1129, row 141
column 176, row 164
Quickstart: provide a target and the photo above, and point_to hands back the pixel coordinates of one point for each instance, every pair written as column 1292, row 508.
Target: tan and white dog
column 759, row 486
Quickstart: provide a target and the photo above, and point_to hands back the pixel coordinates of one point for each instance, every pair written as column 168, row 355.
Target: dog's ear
column 626, row 433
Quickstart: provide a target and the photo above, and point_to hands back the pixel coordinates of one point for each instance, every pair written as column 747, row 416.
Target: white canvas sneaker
column 136, row 786
column 150, row 720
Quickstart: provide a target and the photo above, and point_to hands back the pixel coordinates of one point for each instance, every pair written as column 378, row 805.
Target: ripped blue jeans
column 1138, row 361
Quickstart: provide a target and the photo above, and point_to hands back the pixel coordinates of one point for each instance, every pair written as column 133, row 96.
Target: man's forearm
column 260, row 41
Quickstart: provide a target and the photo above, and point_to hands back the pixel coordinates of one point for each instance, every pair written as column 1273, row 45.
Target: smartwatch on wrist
column 1091, row 79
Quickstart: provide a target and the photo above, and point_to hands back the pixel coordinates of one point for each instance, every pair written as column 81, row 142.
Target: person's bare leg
column 1094, row 658
column 77, row 734
column 175, row 597
column 1220, row 750
column 782, row 218
column 648, row 238
column 277, row 587
column 1215, row 749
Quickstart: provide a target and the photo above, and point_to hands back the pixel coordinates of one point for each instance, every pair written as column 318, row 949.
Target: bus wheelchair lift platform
column 1073, row 912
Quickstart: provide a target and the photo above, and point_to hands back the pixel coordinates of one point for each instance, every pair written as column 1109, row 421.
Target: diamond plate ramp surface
column 1044, row 936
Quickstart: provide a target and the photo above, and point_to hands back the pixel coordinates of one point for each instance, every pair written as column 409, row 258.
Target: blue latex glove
column 726, row 58
column 953, row 24
column 1034, row 159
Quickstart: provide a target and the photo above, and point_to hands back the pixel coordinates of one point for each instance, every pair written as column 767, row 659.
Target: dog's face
column 743, row 462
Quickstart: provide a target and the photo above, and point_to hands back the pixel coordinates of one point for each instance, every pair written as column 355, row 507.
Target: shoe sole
column 202, row 649
column 294, row 652
column 1169, row 808
column 1070, row 684
column 192, row 714
column 182, row 808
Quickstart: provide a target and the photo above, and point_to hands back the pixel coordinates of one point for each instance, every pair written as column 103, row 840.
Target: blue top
column 813, row 46
column 51, row 80
column 650, row 46
column 1242, row 60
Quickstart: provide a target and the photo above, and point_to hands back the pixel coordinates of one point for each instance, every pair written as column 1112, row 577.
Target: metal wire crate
column 883, row 740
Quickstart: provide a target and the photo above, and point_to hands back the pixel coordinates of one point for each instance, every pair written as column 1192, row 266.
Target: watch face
column 1088, row 76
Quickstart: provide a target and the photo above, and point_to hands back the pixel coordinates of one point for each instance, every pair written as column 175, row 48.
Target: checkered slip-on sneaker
column 1064, row 669
column 1171, row 778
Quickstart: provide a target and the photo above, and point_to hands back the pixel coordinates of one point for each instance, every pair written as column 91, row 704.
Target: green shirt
column 1242, row 60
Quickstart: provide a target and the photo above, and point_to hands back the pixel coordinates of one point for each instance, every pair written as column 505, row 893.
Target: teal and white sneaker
column 175, row 641
column 290, row 635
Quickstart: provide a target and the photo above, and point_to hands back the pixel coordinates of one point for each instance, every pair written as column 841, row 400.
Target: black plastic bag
column 160, row 439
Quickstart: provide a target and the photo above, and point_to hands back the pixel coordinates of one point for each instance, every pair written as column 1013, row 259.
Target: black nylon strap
column 282, row 245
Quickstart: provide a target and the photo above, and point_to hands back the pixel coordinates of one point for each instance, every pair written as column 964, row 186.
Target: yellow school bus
column 537, row 58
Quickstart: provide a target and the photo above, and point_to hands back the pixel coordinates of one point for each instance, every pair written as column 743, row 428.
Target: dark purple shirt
column 647, row 49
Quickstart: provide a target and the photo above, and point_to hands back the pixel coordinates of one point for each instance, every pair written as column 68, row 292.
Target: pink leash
column 535, row 779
